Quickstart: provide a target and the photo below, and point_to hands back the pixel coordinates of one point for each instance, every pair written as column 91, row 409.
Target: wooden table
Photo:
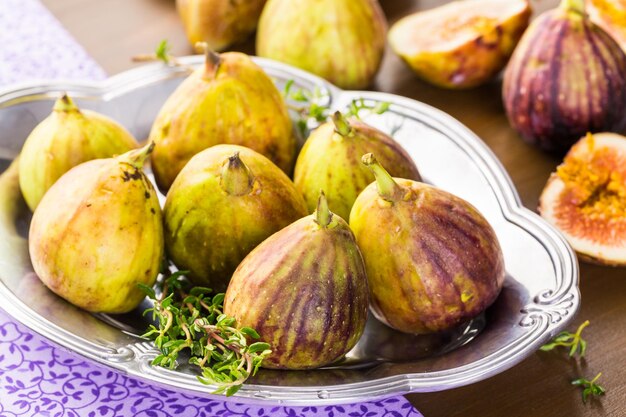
column 114, row 30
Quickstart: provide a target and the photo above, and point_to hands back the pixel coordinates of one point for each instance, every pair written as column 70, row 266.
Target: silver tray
column 539, row 299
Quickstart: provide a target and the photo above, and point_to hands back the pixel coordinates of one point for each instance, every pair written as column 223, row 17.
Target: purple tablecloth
column 37, row 379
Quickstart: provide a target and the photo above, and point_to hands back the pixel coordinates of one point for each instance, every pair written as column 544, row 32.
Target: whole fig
column 567, row 77
column 330, row 160
column 98, row 232
column 304, row 290
column 231, row 100
column 219, row 23
column 66, row 138
column 442, row 262
column 340, row 40
column 226, row 201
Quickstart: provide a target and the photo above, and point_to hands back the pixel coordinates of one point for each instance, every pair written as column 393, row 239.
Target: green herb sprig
column 572, row 340
column 313, row 107
column 162, row 53
column 190, row 318
column 590, row 388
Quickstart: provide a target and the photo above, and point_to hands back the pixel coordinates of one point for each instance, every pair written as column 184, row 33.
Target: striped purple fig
column 432, row 260
column 567, row 77
column 304, row 290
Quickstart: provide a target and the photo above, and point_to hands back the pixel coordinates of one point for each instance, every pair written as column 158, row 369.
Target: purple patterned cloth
column 37, row 379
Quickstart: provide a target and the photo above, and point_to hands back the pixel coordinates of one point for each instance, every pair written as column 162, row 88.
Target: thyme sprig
column 191, row 318
column 572, row 340
column 590, row 387
column 312, row 107
column 162, row 53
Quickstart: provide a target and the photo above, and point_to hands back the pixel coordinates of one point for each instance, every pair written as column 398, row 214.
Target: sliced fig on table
column 586, row 198
column 462, row 44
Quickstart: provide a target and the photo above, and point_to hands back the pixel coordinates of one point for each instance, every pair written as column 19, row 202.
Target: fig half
column 586, row 198
column 462, row 44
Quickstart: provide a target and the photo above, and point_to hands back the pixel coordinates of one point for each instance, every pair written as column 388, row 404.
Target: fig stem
column 577, row 6
column 236, row 176
column 323, row 215
column 212, row 60
column 341, row 124
column 388, row 189
column 65, row 104
column 137, row 157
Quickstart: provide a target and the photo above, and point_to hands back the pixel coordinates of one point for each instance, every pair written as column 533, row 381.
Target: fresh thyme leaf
column 162, row 51
column 191, row 318
column 313, row 107
column 590, row 388
column 572, row 340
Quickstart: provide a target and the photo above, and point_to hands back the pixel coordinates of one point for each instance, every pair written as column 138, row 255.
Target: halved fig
column 610, row 15
column 586, row 198
column 462, row 44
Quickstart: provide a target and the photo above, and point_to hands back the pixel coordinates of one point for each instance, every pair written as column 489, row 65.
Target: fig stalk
column 65, row 104
column 236, row 177
column 212, row 60
column 323, row 216
column 137, row 157
column 577, row 6
column 388, row 189
column 341, row 124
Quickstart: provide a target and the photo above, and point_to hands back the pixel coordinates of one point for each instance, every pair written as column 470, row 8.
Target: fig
column 231, row 101
column 67, row 137
column 340, row 40
column 219, row 23
column 98, row 232
column 330, row 160
column 462, row 44
column 610, row 15
column 586, row 198
column 226, row 201
column 304, row 290
column 567, row 77
column 442, row 262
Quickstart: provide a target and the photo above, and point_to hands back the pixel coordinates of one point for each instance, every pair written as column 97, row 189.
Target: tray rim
column 549, row 313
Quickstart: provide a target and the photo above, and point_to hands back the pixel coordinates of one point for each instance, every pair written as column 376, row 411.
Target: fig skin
column 610, row 15
column 442, row 262
column 220, row 208
column 304, row 290
column 566, row 78
column 331, row 160
column 230, row 101
column 98, row 232
column 219, row 23
column 342, row 41
column 477, row 40
column 67, row 137
column 586, row 199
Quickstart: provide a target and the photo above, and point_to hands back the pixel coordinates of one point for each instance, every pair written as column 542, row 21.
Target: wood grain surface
column 114, row 30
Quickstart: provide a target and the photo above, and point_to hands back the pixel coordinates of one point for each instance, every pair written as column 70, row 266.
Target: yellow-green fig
column 230, row 100
column 340, row 40
column 98, row 232
column 219, row 23
column 331, row 160
column 432, row 260
column 66, row 138
column 226, row 201
column 304, row 290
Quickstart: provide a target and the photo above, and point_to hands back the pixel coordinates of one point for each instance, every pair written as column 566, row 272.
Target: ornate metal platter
column 539, row 299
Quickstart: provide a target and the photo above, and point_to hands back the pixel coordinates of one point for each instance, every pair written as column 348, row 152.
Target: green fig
column 340, row 40
column 232, row 101
column 66, row 138
column 442, row 262
column 304, row 290
column 219, row 23
column 98, row 232
column 226, row 201
column 330, row 160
